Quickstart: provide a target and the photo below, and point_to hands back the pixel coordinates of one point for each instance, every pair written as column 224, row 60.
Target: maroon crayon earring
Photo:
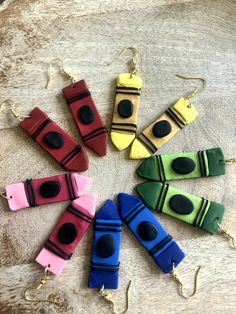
column 63, row 148
column 84, row 111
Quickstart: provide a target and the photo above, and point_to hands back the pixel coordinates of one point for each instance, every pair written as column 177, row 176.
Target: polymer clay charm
column 125, row 113
column 87, row 117
column 106, row 248
column 67, row 234
column 35, row 192
column 149, row 232
column 189, row 208
column 163, row 129
column 166, row 167
column 69, row 154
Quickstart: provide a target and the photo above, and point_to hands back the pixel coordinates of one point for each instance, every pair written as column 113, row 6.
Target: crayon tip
column 122, row 140
column 138, row 150
column 108, row 211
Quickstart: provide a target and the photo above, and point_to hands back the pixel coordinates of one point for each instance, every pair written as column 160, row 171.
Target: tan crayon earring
column 167, row 125
column 125, row 114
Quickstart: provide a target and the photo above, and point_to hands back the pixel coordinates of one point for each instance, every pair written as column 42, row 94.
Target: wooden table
column 182, row 36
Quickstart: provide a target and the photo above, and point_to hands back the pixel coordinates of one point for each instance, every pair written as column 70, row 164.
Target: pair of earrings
column 125, row 115
column 53, row 139
column 69, row 230
column 192, row 209
column 149, row 232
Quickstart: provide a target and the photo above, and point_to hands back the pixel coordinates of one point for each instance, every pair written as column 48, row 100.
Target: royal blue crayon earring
column 105, row 259
column 154, row 238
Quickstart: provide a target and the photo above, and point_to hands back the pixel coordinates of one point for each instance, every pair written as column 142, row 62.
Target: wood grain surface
column 172, row 36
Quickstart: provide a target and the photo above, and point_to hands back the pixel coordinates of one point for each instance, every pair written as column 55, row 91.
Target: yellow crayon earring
column 125, row 114
column 167, row 125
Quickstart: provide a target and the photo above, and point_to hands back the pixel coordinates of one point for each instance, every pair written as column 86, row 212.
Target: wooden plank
column 173, row 36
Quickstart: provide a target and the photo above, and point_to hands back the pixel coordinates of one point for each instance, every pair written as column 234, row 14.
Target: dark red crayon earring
column 84, row 112
column 63, row 148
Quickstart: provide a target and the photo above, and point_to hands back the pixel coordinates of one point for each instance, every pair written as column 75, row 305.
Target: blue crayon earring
column 106, row 250
column 153, row 237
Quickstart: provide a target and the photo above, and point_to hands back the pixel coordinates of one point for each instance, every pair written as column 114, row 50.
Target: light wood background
column 172, row 36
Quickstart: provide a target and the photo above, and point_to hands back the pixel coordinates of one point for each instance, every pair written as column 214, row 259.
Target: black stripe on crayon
column 108, row 224
column 160, row 245
column 51, row 246
column 148, row 140
column 94, row 135
column 175, row 118
column 146, row 145
column 107, row 229
column 161, row 169
column 78, row 97
column 105, row 264
column 163, row 197
column 31, row 193
column 40, row 128
column 133, row 209
column 127, row 93
column 131, row 218
column 125, row 124
column 94, row 131
column 70, row 186
column 127, row 88
column 71, row 155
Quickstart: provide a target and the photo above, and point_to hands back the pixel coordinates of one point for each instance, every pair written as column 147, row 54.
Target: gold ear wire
column 62, row 70
column 13, row 109
column 176, row 277
column 228, row 235
column 3, row 194
column 109, row 298
column 230, row 161
column 134, row 63
column 197, row 90
column 29, row 292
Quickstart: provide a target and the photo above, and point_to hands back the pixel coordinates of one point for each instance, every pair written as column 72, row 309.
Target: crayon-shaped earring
column 53, row 139
column 153, row 237
column 167, row 167
column 125, row 114
column 189, row 208
column 106, row 248
column 35, row 192
column 67, row 234
column 84, row 112
column 167, row 125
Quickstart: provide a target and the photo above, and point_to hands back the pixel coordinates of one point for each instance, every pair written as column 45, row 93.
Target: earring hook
column 228, row 235
column 62, row 69
column 176, row 277
column 109, row 298
column 134, row 63
column 230, row 161
column 197, row 90
column 13, row 109
column 3, row 194
column 29, row 292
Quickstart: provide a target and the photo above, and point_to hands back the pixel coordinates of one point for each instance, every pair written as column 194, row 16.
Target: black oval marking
column 106, row 246
column 181, row 204
column 50, row 189
column 67, row 233
column 161, row 128
column 86, row 114
column 183, row 165
column 147, row 231
column 125, row 108
column 54, row 140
